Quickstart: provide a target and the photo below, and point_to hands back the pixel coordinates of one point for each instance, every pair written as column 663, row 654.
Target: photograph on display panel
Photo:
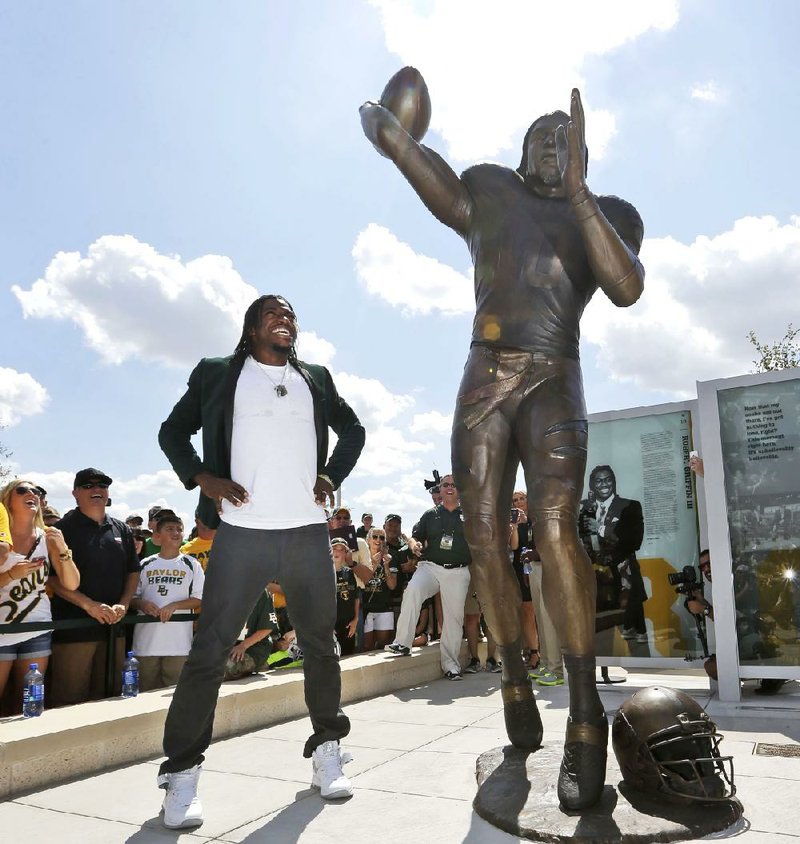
column 761, row 462
column 638, row 523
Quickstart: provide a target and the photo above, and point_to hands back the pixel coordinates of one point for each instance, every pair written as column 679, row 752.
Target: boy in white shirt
column 168, row 581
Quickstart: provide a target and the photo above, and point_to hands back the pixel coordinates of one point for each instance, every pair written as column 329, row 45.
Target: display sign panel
column 638, row 522
column 760, row 437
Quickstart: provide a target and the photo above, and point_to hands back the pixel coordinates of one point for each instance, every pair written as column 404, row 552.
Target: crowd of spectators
column 105, row 583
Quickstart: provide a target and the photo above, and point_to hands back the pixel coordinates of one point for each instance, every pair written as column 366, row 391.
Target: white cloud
column 707, row 92
column 433, row 422
column 417, row 284
column 699, row 303
column 405, row 495
column 20, row 395
column 492, row 68
column 130, row 301
column 387, row 448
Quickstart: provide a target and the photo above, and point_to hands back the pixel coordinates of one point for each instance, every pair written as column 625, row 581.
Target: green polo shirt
column 435, row 525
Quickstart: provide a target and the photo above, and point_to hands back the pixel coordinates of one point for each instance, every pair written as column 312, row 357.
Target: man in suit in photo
column 612, row 529
column 264, row 478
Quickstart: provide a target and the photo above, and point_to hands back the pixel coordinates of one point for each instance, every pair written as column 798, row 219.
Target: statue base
column 517, row 793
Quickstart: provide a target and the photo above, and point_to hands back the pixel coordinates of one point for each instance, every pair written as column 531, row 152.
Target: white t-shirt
column 273, row 450
column 164, row 582
column 26, row 599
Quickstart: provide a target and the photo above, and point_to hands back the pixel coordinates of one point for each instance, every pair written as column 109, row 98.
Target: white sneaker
column 182, row 807
column 328, row 777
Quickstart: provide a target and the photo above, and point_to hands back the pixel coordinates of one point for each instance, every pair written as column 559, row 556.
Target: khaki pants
column 427, row 581
column 549, row 649
column 156, row 672
column 78, row 671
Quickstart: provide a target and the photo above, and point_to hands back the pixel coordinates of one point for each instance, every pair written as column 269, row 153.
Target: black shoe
column 398, row 650
column 452, row 675
column 473, row 667
column 769, row 687
column 493, row 666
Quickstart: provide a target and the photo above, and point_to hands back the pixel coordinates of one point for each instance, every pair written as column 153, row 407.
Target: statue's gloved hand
column 571, row 148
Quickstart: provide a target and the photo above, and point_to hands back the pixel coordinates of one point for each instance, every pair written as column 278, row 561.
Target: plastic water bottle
column 33, row 693
column 130, row 676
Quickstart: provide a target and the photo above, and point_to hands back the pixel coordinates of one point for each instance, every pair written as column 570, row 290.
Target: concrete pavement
column 414, row 772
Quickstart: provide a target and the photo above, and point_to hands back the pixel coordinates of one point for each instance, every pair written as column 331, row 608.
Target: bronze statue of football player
column 542, row 243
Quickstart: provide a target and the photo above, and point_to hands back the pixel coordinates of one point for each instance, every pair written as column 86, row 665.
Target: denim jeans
column 242, row 562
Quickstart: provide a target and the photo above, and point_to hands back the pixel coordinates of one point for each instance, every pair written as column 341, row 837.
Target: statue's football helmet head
column 665, row 742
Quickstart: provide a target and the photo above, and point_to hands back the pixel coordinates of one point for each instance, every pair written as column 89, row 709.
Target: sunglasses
column 379, row 536
column 28, row 490
column 94, row 485
column 447, row 484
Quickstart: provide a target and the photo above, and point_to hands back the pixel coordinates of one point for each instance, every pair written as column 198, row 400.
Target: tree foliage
column 783, row 354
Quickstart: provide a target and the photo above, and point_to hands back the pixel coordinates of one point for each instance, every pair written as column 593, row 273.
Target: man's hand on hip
column 218, row 489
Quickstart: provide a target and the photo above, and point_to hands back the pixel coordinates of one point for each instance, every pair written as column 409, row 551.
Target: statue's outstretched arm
column 612, row 257
column 443, row 193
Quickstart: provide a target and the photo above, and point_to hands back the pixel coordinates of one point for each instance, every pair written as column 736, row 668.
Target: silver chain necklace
column 280, row 389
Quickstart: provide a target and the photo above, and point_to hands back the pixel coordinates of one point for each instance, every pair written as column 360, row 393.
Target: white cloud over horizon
column 417, row 284
column 21, row 395
column 700, row 301
column 102, row 293
column 481, row 107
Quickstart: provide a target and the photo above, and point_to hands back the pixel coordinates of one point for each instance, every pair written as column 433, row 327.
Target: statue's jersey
column 532, row 276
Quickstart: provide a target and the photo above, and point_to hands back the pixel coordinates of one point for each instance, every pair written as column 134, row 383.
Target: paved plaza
column 413, row 770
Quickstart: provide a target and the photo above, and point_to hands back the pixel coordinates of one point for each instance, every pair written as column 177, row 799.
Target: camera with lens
column 684, row 581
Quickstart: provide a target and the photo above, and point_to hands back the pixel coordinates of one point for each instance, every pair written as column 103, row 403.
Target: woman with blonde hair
column 38, row 554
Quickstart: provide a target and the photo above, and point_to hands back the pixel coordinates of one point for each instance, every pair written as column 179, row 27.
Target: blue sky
column 165, row 163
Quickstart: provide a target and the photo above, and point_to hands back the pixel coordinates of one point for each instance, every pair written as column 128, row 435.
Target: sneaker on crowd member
column 545, row 677
column 493, row 666
column 452, row 675
column 473, row 666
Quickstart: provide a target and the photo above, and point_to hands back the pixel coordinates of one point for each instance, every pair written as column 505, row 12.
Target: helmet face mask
column 665, row 742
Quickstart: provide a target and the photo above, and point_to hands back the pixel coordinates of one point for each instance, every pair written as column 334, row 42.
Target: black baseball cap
column 86, row 476
column 393, row 517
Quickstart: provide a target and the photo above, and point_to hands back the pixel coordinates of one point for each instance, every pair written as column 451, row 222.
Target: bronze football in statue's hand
column 406, row 96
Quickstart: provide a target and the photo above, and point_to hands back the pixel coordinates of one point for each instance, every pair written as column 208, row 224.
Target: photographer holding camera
column 697, row 604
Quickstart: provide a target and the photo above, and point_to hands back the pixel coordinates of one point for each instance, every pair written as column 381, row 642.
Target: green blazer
column 208, row 404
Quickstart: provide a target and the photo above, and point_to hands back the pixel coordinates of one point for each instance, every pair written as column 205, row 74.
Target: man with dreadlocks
column 264, row 479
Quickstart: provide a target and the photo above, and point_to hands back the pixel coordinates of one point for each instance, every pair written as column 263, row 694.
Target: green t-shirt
column 442, row 532
column 261, row 618
column 150, row 548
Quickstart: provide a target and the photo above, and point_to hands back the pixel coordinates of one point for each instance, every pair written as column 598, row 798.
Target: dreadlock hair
column 251, row 318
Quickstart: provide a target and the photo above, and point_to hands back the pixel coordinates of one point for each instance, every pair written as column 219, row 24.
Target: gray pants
column 241, row 564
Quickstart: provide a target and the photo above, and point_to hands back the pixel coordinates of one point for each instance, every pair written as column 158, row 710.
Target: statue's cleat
column 583, row 768
column 523, row 722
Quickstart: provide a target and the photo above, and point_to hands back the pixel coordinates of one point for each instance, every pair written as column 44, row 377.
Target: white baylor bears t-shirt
column 164, row 582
